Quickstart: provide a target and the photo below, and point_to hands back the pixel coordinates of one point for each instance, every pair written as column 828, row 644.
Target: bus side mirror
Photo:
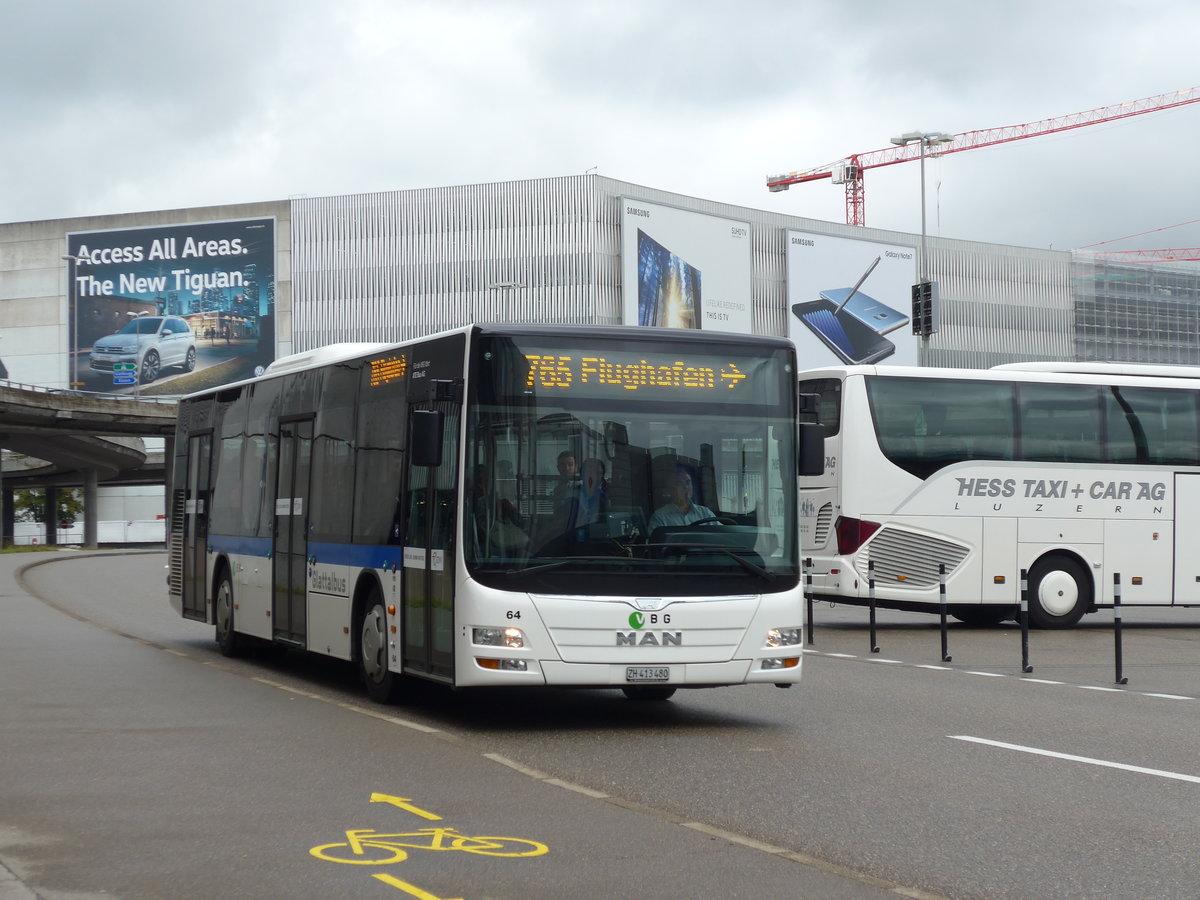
column 812, row 449
column 425, row 439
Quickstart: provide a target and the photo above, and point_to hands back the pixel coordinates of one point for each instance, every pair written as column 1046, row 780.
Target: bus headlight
column 787, row 662
column 498, row 637
column 784, row 637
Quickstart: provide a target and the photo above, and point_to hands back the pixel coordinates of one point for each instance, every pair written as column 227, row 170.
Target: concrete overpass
column 78, row 440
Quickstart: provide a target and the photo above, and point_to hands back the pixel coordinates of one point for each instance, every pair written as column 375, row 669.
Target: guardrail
column 70, row 392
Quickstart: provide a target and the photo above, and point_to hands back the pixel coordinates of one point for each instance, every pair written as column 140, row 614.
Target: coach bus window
column 1059, row 422
column 1147, row 425
column 829, row 403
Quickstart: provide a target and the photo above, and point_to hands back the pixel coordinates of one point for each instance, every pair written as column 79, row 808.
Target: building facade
column 391, row 265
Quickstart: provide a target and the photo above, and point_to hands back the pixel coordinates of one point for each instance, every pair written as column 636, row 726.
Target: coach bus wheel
column 1060, row 592
column 229, row 641
column 648, row 693
column 382, row 686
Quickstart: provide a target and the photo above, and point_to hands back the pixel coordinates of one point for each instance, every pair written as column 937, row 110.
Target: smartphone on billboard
column 873, row 313
column 852, row 341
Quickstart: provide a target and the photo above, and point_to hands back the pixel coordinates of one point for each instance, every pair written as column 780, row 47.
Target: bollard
column 1025, row 666
column 871, row 596
column 942, row 610
column 1118, row 659
column 808, row 595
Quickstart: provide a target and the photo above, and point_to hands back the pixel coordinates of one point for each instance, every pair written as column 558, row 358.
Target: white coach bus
column 1073, row 472
column 504, row 505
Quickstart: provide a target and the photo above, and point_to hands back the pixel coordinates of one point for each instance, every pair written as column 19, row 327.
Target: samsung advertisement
column 684, row 269
column 849, row 301
column 171, row 309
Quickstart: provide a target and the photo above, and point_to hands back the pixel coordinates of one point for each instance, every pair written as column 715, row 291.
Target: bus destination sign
column 388, row 369
column 599, row 374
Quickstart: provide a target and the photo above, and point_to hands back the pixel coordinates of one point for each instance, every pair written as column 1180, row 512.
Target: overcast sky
column 130, row 105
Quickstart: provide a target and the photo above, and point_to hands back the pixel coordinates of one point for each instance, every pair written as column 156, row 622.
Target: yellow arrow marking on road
column 405, row 805
column 408, row 888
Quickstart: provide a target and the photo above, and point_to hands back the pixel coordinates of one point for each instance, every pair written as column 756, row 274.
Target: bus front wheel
column 1060, row 592
column 229, row 642
column 383, row 686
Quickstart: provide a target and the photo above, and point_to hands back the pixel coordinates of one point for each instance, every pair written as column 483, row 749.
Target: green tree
column 30, row 506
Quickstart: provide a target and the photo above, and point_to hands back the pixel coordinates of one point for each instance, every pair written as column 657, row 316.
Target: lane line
column 1070, row 757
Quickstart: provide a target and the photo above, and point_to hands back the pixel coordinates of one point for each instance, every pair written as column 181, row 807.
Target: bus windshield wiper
column 740, row 560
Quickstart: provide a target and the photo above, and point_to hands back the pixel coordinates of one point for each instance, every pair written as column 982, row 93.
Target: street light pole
column 923, row 291
column 925, row 138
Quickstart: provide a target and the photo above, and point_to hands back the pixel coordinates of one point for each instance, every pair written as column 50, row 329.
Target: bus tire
column 229, row 642
column 383, row 686
column 1060, row 592
column 648, row 693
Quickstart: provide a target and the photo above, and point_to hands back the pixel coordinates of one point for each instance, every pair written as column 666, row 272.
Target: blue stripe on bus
column 364, row 556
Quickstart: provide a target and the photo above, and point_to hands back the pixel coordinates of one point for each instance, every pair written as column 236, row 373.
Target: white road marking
column 1070, row 757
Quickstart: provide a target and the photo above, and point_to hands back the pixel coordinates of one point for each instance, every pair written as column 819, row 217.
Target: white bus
column 404, row 508
column 1072, row 472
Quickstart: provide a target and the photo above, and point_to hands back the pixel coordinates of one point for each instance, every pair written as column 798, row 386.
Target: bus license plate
column 647, row 673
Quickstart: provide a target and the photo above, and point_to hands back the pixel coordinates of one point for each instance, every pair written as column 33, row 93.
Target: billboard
column 849, row 300
column 170, row 309
column 683, row 269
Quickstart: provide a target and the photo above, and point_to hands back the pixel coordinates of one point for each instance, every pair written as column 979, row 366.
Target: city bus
column 487, row 507
column 1078, row 475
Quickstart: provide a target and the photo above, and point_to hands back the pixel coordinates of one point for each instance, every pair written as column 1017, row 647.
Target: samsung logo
column 650, row 639
column 634, row 211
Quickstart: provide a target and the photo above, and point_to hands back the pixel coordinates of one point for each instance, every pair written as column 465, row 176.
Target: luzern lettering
column 565, row 372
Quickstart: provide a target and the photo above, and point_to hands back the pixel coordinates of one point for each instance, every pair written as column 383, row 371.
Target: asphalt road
column 136, row 762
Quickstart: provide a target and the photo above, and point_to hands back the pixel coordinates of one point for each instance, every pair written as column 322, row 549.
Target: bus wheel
column 647, row 693
column 382, row 685
column 1060, row 592
column 229, row 641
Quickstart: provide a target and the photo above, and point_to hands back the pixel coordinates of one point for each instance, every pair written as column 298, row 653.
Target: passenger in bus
column 568, row 477
column 681, row 510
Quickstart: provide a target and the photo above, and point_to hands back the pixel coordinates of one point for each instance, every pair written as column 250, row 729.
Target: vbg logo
column 637, row 620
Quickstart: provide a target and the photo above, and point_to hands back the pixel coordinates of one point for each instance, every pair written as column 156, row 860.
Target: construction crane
column 849, row 171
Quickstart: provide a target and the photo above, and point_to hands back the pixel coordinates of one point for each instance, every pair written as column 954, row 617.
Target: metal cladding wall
column 394, row 265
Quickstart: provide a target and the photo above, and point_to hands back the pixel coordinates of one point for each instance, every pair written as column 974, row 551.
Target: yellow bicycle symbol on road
column 368, row 847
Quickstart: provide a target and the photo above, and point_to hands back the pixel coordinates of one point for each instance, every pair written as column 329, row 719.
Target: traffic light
column 922, row 308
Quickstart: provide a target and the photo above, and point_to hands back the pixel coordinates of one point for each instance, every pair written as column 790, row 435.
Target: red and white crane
column 849, row 171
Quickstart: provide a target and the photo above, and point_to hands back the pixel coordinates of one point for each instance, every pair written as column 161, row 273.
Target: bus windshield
column 632, row 462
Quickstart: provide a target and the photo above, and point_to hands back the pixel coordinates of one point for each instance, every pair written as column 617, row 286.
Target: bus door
column 429, row 547
column 290, row 544
column 195, row 527
column 1187, row 523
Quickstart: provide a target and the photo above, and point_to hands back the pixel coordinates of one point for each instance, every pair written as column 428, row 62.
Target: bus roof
column 1186, row 377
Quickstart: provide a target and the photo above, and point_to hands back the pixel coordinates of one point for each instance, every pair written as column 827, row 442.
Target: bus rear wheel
column 1060, row 592
column 383, row 685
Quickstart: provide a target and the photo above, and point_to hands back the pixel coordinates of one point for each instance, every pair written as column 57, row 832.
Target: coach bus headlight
column 783, row 662
column 784, row 637
column 503, row 665
column 498, row 637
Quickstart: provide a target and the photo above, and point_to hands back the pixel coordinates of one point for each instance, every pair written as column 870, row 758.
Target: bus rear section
column 973, row 477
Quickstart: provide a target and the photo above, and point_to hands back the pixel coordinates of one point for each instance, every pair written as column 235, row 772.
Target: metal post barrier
column 942, row 611
column 1025, row 666
column 1118, row 656
column 808, row 595
column 871, row 596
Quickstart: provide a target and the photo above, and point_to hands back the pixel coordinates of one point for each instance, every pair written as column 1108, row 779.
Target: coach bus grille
column 824, row 521
column 909, row 559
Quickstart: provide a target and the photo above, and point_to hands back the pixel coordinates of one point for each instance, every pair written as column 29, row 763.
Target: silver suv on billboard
column 152, row 343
